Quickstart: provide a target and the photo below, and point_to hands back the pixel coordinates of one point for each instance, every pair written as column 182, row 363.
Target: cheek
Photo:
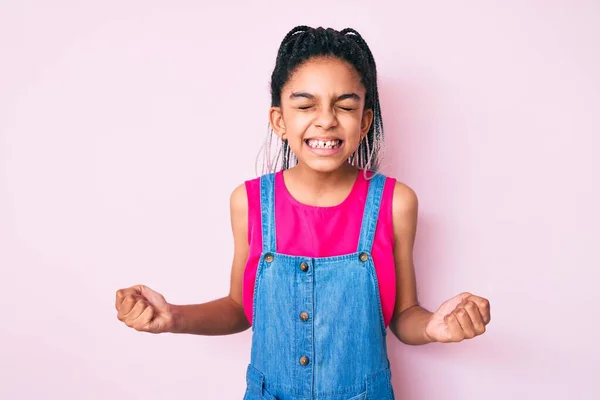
column 298, row 124
column 351, row 124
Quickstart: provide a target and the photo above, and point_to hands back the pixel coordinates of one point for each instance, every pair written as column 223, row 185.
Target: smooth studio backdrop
column 125, row 125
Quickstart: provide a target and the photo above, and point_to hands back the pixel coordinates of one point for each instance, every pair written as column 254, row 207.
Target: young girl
column 323, row 259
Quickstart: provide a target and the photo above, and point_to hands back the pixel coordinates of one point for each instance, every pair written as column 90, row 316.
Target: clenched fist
column 462, row 317
column 143, row 309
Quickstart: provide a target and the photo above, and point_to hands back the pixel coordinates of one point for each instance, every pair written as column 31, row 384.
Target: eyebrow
column 309, row 96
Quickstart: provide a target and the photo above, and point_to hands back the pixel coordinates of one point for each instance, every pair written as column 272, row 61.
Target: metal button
column 364, row 257
column 304, row 360
column 304, row 267
column 304, row 316
column 269, row 257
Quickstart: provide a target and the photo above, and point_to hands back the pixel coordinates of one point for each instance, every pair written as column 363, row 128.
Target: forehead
column 324, row 75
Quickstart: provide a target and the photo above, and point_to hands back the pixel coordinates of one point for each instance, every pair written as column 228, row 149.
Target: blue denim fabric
column 344, row 335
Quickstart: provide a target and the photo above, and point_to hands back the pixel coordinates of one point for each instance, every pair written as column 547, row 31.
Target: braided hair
column 299, row 45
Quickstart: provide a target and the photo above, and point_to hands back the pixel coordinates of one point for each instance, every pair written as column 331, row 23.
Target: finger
column 126, row 306
column 456, row 333
column 135, row 312
column 465, row 295
column 123, row 293
column 484, row 307
column 119, row 298
column 465, row 322
column 476, row 317
column 142, row 322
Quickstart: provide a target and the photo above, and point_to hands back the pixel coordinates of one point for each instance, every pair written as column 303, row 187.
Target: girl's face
column 321, row 114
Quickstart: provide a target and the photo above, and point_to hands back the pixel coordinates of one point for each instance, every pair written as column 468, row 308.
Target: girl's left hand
column 462, row 317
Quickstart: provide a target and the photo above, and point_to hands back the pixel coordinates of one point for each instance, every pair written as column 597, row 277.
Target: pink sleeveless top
column 312, row 231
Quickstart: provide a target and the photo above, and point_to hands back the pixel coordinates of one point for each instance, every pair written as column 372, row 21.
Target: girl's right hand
column 143, row 309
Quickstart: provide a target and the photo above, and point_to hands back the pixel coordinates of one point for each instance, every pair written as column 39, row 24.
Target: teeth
column 323, row 144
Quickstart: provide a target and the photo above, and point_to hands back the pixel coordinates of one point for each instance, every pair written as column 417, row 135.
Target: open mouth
column 323, row 144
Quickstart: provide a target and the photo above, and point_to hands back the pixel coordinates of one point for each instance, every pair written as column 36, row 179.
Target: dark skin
column 323, row 99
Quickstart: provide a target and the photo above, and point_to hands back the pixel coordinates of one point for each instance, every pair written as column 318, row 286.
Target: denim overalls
column 318, row 331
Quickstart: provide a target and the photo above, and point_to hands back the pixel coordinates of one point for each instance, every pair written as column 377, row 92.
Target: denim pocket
column 379, row 386
column 255, row 385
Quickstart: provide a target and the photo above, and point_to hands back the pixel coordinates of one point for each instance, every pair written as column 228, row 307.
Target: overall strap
column 267, row 212
column 371, row 213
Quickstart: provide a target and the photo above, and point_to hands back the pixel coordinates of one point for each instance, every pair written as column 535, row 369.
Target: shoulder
column 405, row 205
column 403, row 202
column 241, row 192
column 245, row 196
column 404, row 199
column 239, row 199
column 251, row 187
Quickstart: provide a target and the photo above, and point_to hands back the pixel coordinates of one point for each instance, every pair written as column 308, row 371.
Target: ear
column 276, row 121
column 365, row 123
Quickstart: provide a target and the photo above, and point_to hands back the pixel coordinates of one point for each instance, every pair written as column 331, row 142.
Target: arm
column 464, row 316
column 410, row 319
column 225, row 315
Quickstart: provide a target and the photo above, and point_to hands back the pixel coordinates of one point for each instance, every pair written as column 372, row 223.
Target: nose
column 326, row 118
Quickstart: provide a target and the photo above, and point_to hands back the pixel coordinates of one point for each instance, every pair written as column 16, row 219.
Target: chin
column 324, row 165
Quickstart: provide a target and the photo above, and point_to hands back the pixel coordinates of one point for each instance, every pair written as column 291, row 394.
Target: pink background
column 124, row 126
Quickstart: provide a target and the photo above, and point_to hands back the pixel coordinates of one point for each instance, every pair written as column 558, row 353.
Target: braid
column 298, row 29
column 298, row 46
column 375, row 137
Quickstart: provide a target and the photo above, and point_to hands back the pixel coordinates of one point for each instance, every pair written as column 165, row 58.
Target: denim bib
column 318, row 331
